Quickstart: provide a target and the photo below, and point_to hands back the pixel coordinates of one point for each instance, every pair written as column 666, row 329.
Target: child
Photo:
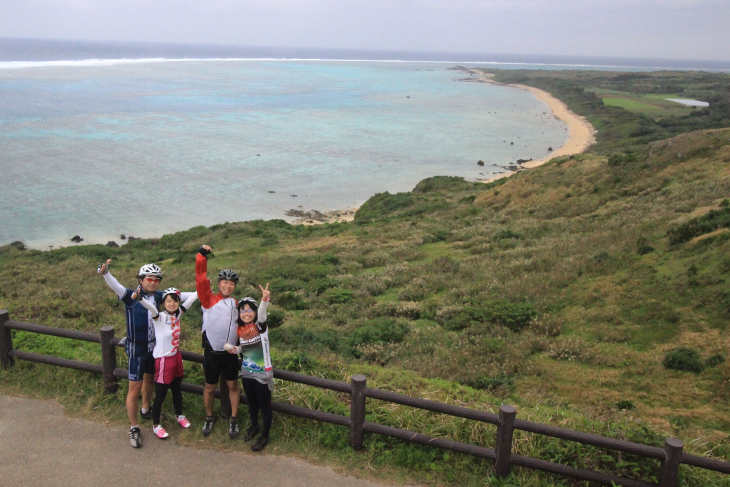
column 168, row 360
column 257, row 374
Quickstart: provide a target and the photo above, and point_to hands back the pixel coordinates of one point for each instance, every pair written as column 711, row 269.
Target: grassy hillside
column 560, row 290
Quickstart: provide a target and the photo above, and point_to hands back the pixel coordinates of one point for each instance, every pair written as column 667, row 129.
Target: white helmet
column 150, row 270
column 171, row 291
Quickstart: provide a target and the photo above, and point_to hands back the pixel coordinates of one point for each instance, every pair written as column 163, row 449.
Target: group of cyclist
column 235, row 344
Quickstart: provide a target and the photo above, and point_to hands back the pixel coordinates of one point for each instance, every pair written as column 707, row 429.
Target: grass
column 652, row 105
column 557, row 290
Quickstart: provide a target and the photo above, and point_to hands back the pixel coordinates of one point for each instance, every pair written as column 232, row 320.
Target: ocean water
column 102, row 143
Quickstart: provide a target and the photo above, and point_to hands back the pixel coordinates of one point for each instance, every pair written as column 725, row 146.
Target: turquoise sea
column 101, row 149
column 99, row 140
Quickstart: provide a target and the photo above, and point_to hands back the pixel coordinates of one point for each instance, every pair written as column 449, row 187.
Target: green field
column 654, row 106
column 561, row 290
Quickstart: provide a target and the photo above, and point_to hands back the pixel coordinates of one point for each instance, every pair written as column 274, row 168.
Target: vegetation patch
column 684, row 359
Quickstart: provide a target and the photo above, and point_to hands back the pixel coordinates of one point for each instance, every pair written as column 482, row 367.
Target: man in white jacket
column 220, row 327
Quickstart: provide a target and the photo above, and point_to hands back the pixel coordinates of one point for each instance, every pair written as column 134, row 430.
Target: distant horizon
column 203, row 50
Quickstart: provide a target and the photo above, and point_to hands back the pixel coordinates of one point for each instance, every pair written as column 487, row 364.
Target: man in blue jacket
column 140, row 341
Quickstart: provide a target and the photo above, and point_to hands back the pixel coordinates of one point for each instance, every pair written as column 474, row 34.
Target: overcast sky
column 681, row 29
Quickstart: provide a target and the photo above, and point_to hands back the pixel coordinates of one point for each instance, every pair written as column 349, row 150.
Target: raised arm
column 262, row 307
column 110, row 280
column 202, row 283
column 189, row 302
column 136, row 295
column 262, row 311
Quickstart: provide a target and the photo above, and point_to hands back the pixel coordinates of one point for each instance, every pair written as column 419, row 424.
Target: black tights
column 258, row 396
column 161, row 392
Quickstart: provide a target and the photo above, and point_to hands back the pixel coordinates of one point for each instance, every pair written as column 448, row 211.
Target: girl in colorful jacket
column 257, row 374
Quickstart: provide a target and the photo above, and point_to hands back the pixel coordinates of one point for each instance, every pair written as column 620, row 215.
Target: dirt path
column 39, row 445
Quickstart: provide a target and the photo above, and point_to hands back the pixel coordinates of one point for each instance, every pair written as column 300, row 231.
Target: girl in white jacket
column 168, row 360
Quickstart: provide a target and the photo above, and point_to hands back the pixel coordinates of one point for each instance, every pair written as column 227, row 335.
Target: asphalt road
column 39, row 445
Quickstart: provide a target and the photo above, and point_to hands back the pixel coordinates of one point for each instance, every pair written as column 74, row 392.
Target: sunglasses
column 152, row 279
column 247, row 311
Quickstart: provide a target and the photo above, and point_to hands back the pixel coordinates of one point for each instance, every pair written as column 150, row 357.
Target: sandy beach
column 580, row 137
column 581, row 133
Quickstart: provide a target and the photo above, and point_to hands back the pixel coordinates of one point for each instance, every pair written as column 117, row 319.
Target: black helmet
column 228, row 275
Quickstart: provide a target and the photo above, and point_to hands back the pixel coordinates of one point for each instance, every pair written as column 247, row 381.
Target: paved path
column 39, row 445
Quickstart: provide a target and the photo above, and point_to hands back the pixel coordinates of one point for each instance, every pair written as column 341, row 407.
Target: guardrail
column 670, row 457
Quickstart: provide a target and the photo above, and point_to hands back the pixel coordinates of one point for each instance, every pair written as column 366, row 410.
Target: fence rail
column 670, row 457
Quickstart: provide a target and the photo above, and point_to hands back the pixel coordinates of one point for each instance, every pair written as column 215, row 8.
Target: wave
column 112, row 62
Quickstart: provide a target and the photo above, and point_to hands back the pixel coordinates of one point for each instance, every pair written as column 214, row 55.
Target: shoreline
column 581, row 133
column 580, row 137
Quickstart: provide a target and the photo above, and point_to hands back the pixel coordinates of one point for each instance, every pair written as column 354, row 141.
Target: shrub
column 274, row 318
column 645, row 249
column 296, row 362
column 625, row 405
column 440, row 236
column 710, row 222
column 514, row 316
column 494, row 382
column 291, row 301
column 715, row 360
column 684, row 359
column 379, row 330
column 338, row 296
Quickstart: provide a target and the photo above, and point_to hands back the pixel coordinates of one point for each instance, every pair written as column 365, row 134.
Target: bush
column 715, row 360
column 338, row 296
column 710, row 222
column 291, row 301
column 296, row 362
column 684, row 359
column 493, row 383
column 514, row 316
column 645, row 249
column 274, row 318
column 625, row 405
column 379, row 330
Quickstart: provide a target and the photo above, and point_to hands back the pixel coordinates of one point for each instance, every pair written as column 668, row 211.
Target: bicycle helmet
column 228, row 274
column 150, row 270
column 251, row 302
column 171, row 291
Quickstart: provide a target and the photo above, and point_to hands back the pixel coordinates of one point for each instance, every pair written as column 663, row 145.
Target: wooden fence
column 670, row 457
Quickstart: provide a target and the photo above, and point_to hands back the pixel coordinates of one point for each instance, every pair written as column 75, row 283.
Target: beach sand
column 581, row 133
column 580, row 137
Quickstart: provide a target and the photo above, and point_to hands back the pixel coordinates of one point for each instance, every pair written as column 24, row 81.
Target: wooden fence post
column 504, row 439
column 669, row 470
column 6, row 341
column 108, row 359
column 357, row 411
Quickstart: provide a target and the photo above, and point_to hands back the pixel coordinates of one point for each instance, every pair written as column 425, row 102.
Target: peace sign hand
column 266, row 293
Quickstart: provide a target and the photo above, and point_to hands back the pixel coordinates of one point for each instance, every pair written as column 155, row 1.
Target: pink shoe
column 160, row 432
column 183, row 421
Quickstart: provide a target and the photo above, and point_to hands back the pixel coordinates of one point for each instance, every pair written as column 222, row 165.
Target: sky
column 668, row 29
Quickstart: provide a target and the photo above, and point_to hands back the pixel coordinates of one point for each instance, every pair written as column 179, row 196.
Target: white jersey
column 167, row 328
